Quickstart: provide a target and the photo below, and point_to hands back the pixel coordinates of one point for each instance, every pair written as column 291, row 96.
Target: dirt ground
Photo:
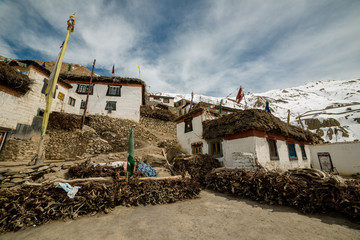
column 212, row 216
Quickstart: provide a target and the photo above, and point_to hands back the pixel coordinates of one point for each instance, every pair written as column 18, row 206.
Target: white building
column 246, row 139
column 163, row 99
column 21, row 113
column 113, row 96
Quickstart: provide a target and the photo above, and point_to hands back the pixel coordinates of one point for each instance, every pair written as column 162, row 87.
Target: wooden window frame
column 107, row 105
column 303, row 152
column 61, row 96
column 292, row 145
column 82, row 104
column 72, row 101
column 188, row 125
column 215, row 148
column 272, row 144
column 108, row 93
column 79, row 89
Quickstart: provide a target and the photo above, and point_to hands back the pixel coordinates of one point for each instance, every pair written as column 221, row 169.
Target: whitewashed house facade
column 112, row 96
column 245, row 139
column 163, row 99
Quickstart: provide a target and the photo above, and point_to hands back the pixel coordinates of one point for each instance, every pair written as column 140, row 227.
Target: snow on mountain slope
column 331, row 108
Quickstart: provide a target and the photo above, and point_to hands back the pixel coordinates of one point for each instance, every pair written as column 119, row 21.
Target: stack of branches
column 9, row 77
column 157, row 113
column 198, row 166
column 307, row 190
column 35, row 205
column 88, row 169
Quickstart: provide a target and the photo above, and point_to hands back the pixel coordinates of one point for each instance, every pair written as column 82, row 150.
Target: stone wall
column 19, row 150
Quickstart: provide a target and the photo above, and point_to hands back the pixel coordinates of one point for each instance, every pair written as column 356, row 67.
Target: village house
column 116, row 97
column 247, row 138
column 22, row 92
column 163, row 99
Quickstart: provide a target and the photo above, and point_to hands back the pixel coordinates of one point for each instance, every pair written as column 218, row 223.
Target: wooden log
column 93, row 179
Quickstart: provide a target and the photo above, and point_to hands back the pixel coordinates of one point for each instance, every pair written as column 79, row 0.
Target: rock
column 162, row 172
column 155, row 160
column 17, row 180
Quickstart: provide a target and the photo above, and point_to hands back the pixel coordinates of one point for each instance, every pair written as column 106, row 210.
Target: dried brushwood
column 198, row 166
column 308, row 190
column 35, row 205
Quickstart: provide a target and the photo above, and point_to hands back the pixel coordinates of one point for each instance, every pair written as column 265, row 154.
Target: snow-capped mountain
column 331, row 108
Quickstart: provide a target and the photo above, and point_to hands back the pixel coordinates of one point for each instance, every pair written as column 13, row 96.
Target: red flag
column 239, row 96
column 113, row 71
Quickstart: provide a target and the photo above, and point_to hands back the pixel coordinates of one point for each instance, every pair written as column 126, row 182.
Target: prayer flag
column 220, row 108
column 239, row 96
column 43, row 65
column 288, row 118
column 62, row 44
column 191, row 103
column 70, row 67
column 267, row 107
column 113, row 70
column 139, row 70
column 131, row 152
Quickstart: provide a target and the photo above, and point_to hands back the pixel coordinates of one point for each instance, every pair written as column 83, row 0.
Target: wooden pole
column 87, row 96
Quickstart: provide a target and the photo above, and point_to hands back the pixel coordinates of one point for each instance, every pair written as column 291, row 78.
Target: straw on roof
column 10, row 78
column 254, row 119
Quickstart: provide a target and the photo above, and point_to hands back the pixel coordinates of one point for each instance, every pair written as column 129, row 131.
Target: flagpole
column 87, row 96
column 41, row 150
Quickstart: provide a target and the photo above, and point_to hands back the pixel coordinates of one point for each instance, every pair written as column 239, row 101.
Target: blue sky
column 206, row 46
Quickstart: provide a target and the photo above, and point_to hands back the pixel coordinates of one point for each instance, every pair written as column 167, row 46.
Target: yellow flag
column 139, row 70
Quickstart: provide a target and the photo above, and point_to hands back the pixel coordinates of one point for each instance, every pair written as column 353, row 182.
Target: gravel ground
column 212, row 216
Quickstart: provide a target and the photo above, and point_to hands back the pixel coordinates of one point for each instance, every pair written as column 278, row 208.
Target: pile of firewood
column 308, row 190
column 197, row 166
column 35, row 205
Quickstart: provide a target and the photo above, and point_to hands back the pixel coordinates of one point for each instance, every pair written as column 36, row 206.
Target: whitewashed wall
column 186, row 139
column 259, row 146
column 22, row 109
column 59, row 105
column 345, row 156
column 127, row 105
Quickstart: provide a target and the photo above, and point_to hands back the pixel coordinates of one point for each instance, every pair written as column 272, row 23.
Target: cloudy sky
column 208, row 46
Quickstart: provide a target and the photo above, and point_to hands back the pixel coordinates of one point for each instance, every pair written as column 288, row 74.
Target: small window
column 113, row 91
column 196, row 148
column 215, row 148
column 292, row 152
column 44, row 87
column 157, row 99
column 273, row 149
column 110, row 105
column 188, row 125
column 82, row 104
column 166, row 100
column 83, row 89
column 61, row 96
column 71, row 101
column 303, row 153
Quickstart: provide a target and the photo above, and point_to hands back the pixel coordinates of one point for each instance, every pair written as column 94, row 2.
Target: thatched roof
column 105, row 79
column 10, row 78
column 254, row 119
column 44, row 70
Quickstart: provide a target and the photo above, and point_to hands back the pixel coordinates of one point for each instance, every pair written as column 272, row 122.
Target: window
column 292, row 152
column 82, row 104
column 61, row 96
column 157, row 99
column 113, row 91
column 71, row 101
column 215, row 148
column 196, row 148
column 188, row 125
column 303, row 153
column 110, row 105
column 273, row 149
column 83, row 89
column 166, row 100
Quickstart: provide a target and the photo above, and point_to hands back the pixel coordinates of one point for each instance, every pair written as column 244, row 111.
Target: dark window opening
column 166, row 100
column 188, row 125
column 273, row 149
column 216, row 149
column 82, row 104
column 303, row 153
column 110, row 105
column 71, row 101
column 44, row 87
column 113, row 91
column 41, row 112
column 292, row 152
column 83, row 89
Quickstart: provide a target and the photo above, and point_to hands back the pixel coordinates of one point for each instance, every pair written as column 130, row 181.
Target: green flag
column 70, row 67
column 220, row 108
column 131, row 151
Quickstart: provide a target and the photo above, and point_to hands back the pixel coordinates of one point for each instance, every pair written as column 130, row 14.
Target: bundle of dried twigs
column 308, row 190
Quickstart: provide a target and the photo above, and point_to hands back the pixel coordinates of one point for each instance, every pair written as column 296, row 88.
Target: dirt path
column 213, row 216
